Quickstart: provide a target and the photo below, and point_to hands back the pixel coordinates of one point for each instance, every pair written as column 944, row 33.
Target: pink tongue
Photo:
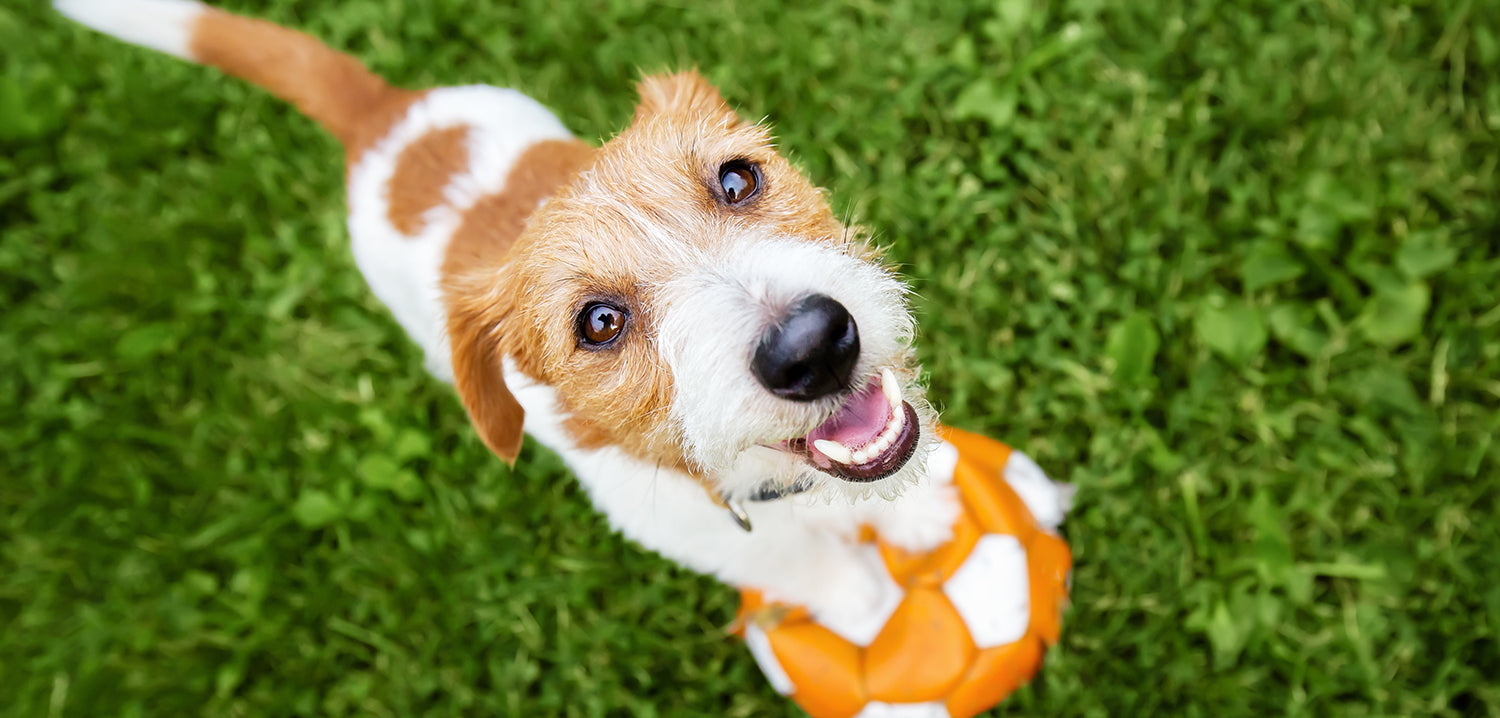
column 861, row 419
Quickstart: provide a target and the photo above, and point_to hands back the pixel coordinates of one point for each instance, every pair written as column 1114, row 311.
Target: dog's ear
column 685, row 94
column 493, row 410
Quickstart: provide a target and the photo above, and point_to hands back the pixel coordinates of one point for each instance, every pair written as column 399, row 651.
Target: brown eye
column 600, row 323
column 740, row 181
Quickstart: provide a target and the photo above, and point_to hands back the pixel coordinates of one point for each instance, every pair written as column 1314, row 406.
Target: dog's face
column 694, row 301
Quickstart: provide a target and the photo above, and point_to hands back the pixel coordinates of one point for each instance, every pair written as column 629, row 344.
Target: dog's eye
column 740, row 181
column 599, row 324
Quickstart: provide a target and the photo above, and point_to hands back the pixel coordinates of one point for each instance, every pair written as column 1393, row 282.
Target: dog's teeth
column 883, row 441
column 834, row 450
column 890, row 387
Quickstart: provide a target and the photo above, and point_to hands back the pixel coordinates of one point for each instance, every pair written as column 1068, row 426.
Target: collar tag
column 767, row 492
column 737, row 512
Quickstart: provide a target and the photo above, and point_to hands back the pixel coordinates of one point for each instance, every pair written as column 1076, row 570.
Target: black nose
column 810, row 353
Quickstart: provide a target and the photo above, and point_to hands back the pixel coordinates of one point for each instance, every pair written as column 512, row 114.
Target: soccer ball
column 966, row 624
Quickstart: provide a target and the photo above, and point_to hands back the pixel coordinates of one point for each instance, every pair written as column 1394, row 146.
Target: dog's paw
column 920, row 522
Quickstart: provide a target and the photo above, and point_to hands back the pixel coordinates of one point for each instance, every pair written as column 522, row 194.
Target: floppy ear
column 493, row 410
column 682, row 93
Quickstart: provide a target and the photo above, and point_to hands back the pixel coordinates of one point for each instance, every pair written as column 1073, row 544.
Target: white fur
column 162, row 25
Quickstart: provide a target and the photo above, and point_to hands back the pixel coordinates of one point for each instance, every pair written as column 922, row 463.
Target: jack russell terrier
column 678, row 313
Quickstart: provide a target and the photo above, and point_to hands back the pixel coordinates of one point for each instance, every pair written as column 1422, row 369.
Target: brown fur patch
column 492, row 408
column 682, row 94
column 333, row 88
column 492, row 225
column 421, row 174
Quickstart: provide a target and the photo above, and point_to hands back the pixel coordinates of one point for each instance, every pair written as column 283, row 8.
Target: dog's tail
column 332, row 88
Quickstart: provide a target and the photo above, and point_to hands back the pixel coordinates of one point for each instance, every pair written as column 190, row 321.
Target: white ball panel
column 992, row 592
column 876, row 709
column 760, row 647
column 1046, row 499
column 861, row 627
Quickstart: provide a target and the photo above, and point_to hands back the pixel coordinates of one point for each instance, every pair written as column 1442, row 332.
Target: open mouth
column 869, row 438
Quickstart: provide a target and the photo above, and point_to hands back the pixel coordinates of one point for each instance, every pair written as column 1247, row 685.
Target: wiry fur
column 531, row 226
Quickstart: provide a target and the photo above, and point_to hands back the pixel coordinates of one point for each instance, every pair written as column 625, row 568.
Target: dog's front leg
column 796, row 554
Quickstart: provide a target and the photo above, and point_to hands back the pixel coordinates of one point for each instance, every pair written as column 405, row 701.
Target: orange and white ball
column 966, row 624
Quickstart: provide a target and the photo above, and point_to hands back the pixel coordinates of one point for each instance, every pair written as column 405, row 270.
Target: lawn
column 1231, row 268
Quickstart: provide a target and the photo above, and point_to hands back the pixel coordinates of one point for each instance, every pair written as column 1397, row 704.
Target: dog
column 678, row 313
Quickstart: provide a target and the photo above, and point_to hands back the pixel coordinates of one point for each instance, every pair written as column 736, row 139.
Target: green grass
column 1231, row 268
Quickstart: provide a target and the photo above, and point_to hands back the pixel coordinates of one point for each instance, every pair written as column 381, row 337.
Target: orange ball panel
column 1048, row 561
column 934, row 567
column 824, row 667
column 994, row 504
column 921, row 653
column 751, row 601
column 994, row 674
column 982, row 451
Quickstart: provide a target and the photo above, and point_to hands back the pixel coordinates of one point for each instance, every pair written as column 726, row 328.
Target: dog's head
column 693, row 301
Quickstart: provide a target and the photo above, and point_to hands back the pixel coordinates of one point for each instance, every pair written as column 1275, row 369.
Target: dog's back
column 436, row 177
